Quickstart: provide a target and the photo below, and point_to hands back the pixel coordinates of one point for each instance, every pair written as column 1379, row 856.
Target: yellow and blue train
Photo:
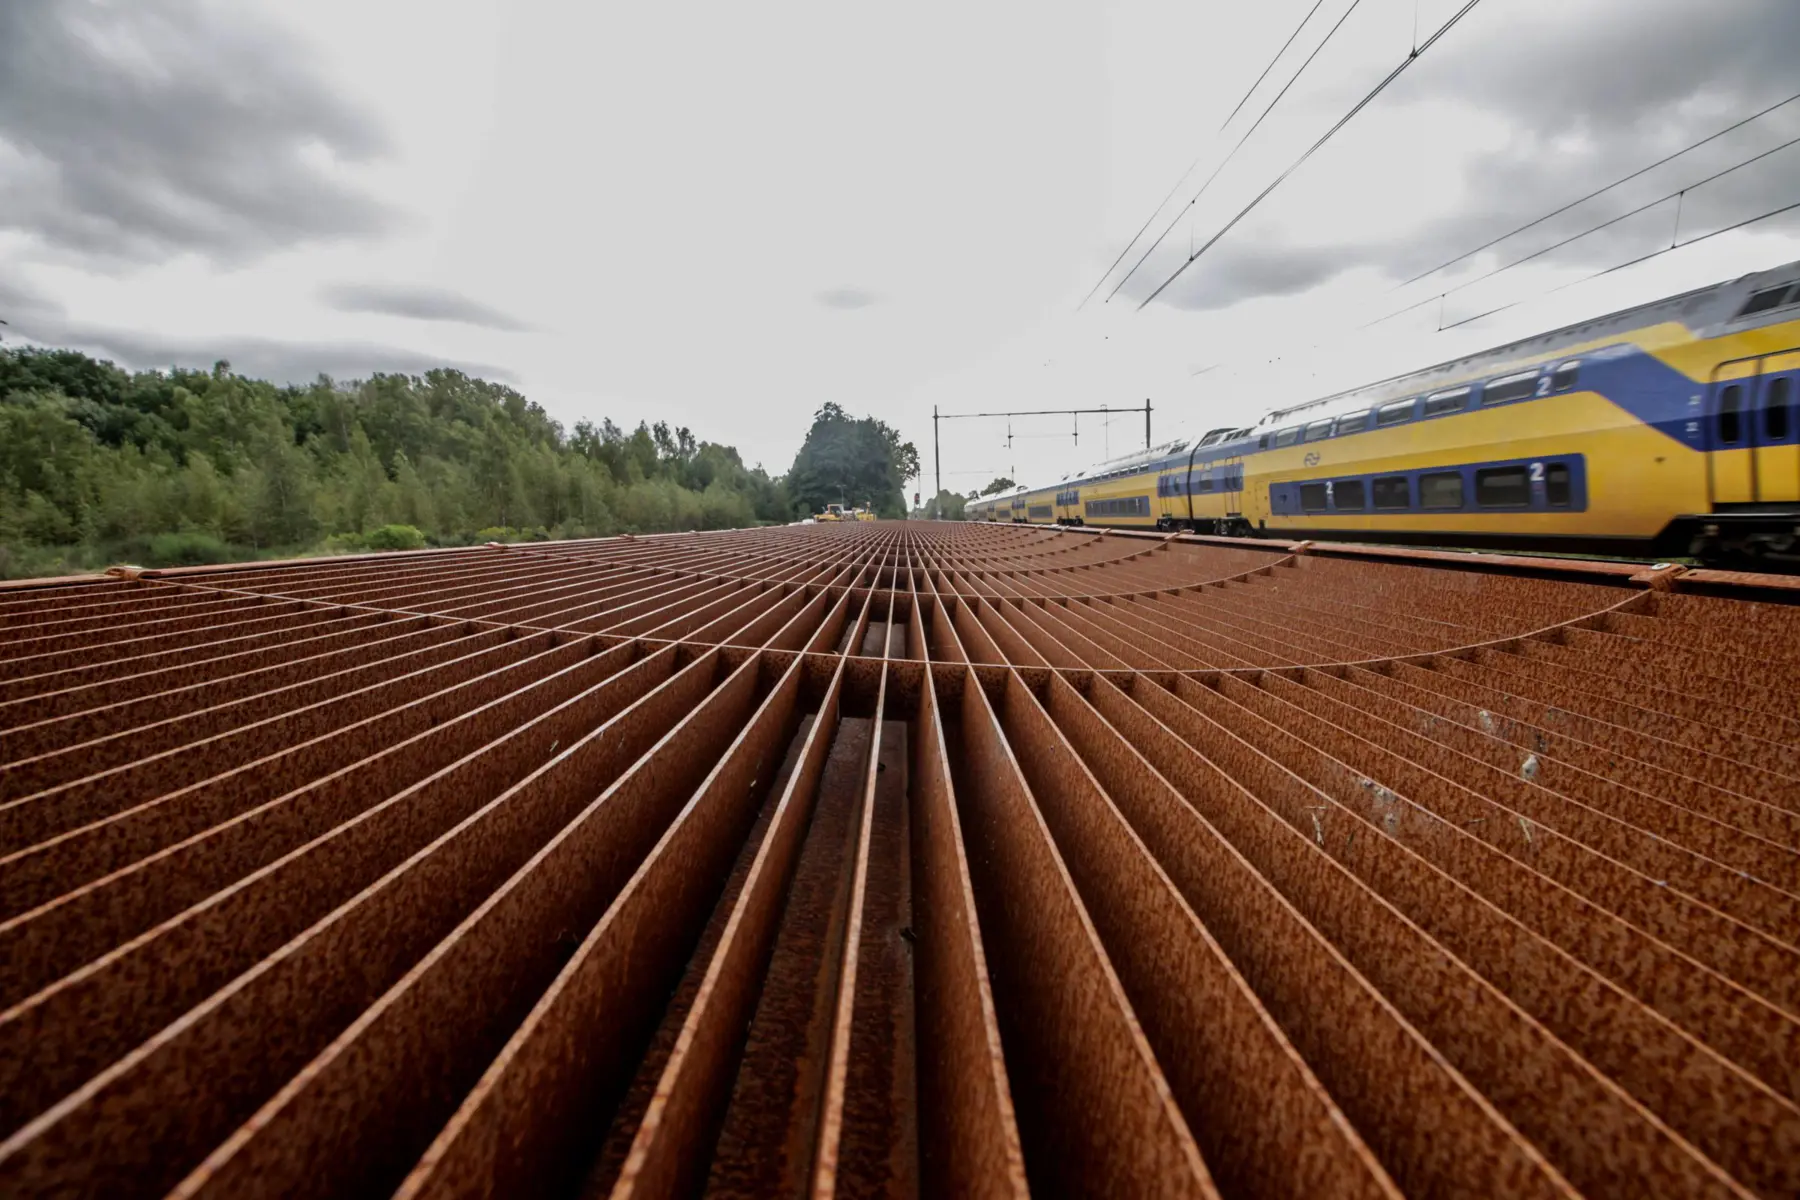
column 1668, row 429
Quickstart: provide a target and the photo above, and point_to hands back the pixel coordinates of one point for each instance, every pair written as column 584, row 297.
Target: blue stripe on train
column 1285, row 499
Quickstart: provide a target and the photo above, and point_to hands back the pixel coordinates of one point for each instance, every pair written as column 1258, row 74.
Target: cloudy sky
column 723, row 215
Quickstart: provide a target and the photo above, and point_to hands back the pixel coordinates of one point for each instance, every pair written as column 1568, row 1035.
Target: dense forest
column 99, row 465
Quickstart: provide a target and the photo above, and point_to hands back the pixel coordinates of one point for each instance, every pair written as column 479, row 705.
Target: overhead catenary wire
column 1271, row 65
column 1226, row 161
column 1313, row 149
column 1488, row 245
column 1564, row 286
column 1642, row 258
column 1642, row 208
column 1675, row 242
column 1163, row 203
column 1674, row 245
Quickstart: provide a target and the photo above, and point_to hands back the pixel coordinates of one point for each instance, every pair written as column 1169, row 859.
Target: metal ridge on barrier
column 895, row 859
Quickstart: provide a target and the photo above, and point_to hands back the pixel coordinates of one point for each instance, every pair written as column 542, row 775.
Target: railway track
column 901, row 860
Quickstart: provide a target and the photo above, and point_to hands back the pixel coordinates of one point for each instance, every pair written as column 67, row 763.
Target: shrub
column 346, row 543
column 395, row 537
column 187, row 550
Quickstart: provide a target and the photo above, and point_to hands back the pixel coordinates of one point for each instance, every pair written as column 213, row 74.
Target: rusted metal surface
column 901, row 861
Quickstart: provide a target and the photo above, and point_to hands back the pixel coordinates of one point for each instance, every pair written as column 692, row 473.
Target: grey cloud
column 420, row 303
column 19, row 301
column 1630, row 65
column 1235, row 272
column 261, row 358
column 847, row 298
column 1629, row 82
column 137, row 131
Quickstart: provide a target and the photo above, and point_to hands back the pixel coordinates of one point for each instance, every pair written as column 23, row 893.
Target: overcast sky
column 724, row 215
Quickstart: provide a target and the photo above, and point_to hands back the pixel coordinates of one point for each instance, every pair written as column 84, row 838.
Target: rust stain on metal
column 901, row 860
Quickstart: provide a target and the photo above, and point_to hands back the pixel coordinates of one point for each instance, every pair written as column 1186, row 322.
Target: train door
column 1232, row 504
column 1730, row 434
column 1777, row 440
column 1169, row 500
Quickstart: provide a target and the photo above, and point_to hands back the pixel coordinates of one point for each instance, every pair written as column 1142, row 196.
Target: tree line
column 100, row 465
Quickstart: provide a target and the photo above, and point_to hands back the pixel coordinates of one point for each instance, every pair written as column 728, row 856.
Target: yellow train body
column 1670, row 428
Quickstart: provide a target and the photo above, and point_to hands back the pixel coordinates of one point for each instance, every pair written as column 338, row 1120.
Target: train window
column 1318, row 430
column 1565, row 376
column 1348, row 493
column 1312, row 497
column 1441, row 489
column 1502, row 487
column 1352, row 423
column 1262, row 443
column 1287, row 437
column 1731, row 404
column 1393, row 414
column 1766, row 299
column 1776, row 421
column 1556, row 485
column 1393, row 491
column 1443, row 402
column 1512, row 387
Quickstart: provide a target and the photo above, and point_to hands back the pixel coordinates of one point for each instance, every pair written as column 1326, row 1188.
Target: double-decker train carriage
column 1666, row 429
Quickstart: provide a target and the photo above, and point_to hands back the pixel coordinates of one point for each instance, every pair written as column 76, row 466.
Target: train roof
column 1137, row 459
column 1756, row 298
column 1712, row 306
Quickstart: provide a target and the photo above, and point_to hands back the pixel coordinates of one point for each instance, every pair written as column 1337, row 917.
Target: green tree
column 853, row 462
column 1002, row 484
column 102, row 465
column 946, row 506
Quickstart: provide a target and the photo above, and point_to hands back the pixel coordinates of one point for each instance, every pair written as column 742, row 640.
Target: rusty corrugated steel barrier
column 901, row 860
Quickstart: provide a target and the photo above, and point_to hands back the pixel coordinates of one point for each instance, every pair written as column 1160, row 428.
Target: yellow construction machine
column 837, row 512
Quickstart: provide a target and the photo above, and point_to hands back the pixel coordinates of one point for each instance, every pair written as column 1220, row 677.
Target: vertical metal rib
column 901, row 861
